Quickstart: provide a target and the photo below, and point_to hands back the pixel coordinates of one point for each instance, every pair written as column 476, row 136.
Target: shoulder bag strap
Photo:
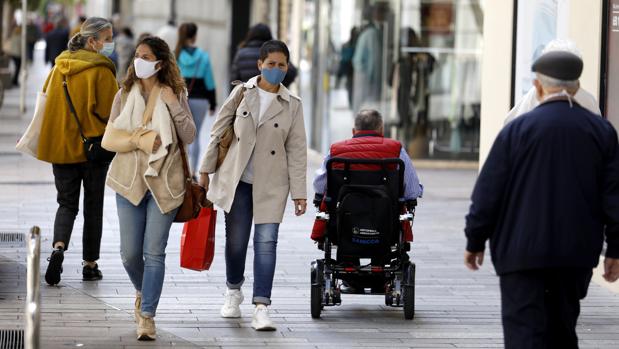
column 72, row 108
column 193, row 79
column 239, row 103
column 181, row 148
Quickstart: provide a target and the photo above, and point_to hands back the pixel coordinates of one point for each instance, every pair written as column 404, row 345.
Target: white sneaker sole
column 270, row 327
column 230, row 315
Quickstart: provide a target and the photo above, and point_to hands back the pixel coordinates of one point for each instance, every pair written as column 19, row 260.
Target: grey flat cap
column 559, row 65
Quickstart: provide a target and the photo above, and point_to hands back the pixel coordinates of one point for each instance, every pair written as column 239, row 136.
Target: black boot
column 54, row 268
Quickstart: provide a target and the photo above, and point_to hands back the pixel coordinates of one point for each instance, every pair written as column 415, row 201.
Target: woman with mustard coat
column 91, row 83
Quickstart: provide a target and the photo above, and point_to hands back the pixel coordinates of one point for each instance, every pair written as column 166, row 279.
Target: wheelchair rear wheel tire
column 409, row 302
column 408, row 293
column 316, row 301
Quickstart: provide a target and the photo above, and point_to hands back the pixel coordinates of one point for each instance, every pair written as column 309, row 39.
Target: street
column 455, row 308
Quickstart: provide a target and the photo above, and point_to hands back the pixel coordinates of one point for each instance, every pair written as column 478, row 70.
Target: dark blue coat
column 548, row 192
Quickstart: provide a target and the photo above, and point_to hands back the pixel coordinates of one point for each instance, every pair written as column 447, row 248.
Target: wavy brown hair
column 168, row 75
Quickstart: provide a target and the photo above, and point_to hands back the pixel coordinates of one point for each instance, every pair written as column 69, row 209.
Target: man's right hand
column 473, row 260
column 204, row 180
column 611, row 269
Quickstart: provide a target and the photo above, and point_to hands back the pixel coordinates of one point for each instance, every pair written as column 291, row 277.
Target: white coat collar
column 283, row 92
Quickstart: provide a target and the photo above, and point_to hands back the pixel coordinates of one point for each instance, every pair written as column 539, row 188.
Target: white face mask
column 145, row 69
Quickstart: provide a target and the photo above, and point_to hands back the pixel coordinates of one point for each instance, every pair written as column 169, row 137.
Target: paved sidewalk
column 455, row 308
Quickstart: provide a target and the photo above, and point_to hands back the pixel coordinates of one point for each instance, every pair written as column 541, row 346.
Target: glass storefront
column 416, row 61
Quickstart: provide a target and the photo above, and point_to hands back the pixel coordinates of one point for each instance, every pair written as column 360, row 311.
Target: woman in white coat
column 266, row 161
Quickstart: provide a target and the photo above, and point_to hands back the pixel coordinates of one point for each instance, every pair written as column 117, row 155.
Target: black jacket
column 548, row 191
column 56, row 42
column 245, row 64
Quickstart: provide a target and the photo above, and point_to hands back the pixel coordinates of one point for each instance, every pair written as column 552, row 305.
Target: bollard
column 33, row 295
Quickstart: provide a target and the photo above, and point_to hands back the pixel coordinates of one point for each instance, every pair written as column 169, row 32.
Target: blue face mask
column 273, row 75
column 108, row 49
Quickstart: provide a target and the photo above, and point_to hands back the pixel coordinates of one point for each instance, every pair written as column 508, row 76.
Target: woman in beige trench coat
column 267, row 160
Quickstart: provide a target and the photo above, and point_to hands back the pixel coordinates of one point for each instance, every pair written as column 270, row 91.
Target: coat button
column 276, row 125
column 244, row 113
column 238, row 139
column 272, row 152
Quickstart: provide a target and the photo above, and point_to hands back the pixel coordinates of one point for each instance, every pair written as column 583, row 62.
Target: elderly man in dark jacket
column 545, row 198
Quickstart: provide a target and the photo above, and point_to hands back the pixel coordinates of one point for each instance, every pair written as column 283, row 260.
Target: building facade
column 417, row 61
column 515, row 32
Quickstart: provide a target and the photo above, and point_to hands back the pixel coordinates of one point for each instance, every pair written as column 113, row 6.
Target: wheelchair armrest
column 317, row 199
column 411, row 204
column 408, row 216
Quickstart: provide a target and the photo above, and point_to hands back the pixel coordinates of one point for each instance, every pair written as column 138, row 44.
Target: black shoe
column 54, row 268
column 91, row 274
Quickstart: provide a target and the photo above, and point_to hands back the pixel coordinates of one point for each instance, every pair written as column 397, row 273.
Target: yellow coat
column 92, row 85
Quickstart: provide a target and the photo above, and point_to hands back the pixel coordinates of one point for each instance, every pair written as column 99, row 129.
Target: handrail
column 33, row 294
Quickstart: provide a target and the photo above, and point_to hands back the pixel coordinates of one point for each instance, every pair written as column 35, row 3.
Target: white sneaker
column 231, row 308
column 261, row 320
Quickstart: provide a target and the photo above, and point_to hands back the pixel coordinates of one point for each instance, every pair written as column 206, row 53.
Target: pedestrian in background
column 244, row 65
column 149, row 123
column 266, row 161
column 33, row 34
column 13, row 48
column 530, row 100
column 546, row 197
column 125, row 48
column 91, row 84
column 195, row 66
column 169, row 33
column 56, row 40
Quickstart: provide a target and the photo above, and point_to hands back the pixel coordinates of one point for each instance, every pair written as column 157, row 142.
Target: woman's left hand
column 168, row 96
column 300, row 205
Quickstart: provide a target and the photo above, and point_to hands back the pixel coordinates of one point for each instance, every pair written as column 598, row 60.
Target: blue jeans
column 238, row 229
column 198, row 107
column 144, row 232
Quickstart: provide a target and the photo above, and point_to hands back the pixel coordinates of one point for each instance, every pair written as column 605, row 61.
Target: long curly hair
column 168, row 75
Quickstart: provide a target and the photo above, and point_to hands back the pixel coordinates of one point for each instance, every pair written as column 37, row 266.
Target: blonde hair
column 90, row 29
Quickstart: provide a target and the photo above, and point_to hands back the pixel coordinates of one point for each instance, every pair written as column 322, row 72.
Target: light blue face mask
column 273, row 75
column 108, row 49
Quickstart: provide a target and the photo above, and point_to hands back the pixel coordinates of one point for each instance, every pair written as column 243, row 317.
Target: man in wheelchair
column 362, row 188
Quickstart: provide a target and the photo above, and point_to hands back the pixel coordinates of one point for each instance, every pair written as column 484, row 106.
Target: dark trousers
column 69, row 179
column 17, row 62
column 540, row 307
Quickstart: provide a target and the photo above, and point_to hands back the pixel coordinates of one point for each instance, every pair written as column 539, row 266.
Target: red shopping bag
column 198, row 241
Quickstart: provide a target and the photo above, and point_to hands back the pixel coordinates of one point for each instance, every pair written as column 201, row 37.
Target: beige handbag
column 29, row 142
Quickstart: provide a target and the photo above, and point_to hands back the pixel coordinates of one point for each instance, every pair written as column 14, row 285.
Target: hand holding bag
column 198, row 241
column 195, row 195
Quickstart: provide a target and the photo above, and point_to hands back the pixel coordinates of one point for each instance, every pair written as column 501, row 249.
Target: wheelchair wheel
column 408, row 291
column 316, row 301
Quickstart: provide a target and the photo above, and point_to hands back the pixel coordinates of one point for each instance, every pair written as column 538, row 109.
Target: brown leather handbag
column 226, row 138
column 195, row 195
